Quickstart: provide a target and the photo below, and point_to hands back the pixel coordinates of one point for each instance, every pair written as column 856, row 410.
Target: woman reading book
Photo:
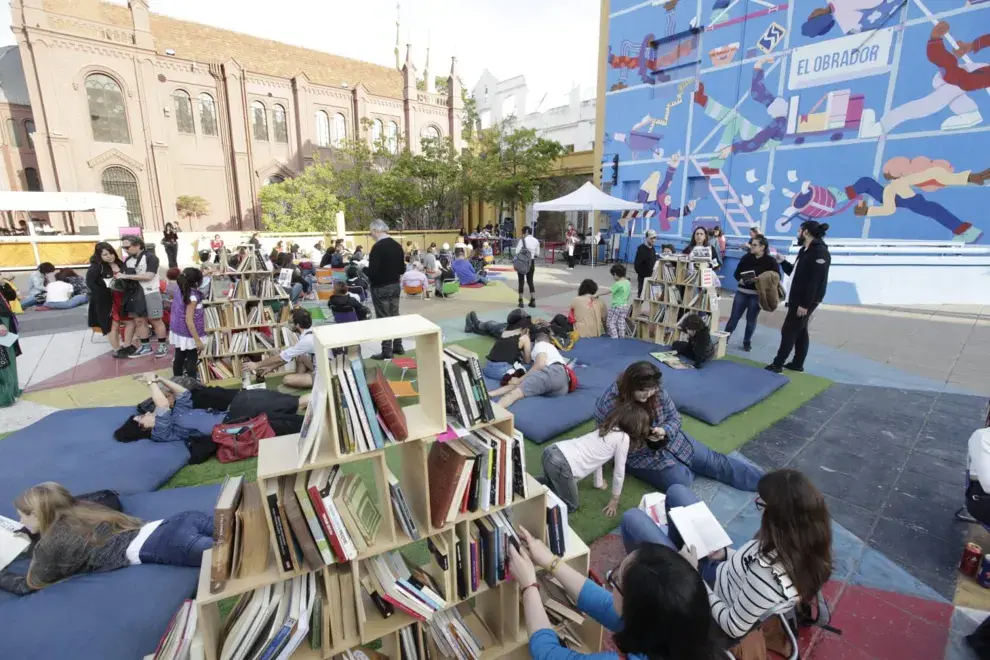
column 76, row 536
column 655, row 605
column 790, row 560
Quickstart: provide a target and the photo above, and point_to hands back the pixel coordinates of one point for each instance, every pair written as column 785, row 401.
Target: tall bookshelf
column 679, row 286
column 242, row 303
column 498, row 607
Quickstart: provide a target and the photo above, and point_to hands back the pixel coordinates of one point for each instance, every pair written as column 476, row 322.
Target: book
column 698, row 527
column 313, row 422
column 13, row 540
column 224, row 521
column 297, row 523
column 319, row 487
column 400, row 506
column 454, row 400
column 312, row 519
column 362, row 507
column 280, row 526
column 445, row 466
column 520, row 483
column 361, row 383
column 351, row 526
column 556, row 524
column 251, row 536
column 473, row 367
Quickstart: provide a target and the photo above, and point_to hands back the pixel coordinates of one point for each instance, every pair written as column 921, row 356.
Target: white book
column 236, row 638
column 698, row 527
column 312, row 427
column 12, row 543
column 258, row 627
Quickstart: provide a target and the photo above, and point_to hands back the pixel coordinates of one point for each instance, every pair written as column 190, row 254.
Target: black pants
column 640, row 281
column 281, row 409
column 794, row 336
column 184, row 363
column 172, row 251
column 570, row 259
column 385, row 300
column 525, row 278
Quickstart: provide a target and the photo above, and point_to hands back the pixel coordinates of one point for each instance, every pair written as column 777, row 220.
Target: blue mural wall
column 871, row 115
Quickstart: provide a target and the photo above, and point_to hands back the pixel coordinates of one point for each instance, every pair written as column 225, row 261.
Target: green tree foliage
column 304, row 203
column 191, row 207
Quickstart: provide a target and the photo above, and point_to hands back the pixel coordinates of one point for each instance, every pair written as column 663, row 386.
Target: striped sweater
column 747, row 586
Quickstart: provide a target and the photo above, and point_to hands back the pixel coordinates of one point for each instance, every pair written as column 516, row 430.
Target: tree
column 304, row 203
column 191, row 206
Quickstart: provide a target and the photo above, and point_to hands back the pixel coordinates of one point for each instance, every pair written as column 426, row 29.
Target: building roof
column 203, row 43
column 13, row 87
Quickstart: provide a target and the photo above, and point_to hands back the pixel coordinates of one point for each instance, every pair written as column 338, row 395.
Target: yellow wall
column 600, row 99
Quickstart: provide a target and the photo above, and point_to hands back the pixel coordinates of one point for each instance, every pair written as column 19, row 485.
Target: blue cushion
column 76, row 448
column 119, row 615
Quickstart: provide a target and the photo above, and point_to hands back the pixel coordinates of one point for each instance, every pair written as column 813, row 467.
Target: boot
column 532, row 302
column 471, row 323
column 521, row 303
column 747, row 346
column 397, row 347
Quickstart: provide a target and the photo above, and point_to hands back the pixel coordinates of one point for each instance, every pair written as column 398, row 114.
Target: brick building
column 151, row 108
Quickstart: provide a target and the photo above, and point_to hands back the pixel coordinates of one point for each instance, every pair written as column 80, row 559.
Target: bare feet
column 940, row 30
column 861, row 208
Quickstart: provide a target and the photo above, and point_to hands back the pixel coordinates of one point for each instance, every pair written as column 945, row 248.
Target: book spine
column 280, row 639
column 474, row 489
column 281, row 540
column 369, row 405
column 383, row 606
column 326, row 523
column 474, row 565
column 313, row 521
column 395, row 602
column 441, row 558
column 223, row 534
column 461, row 581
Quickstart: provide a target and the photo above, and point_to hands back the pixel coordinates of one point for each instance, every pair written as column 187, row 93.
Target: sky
column 553, row 43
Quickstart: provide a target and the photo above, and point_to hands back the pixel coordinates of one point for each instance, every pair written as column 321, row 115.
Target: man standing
column 386, row 264
column 809, row 279
column 143, row 267
column 646, row 259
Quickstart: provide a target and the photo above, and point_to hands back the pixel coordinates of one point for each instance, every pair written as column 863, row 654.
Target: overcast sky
column 554, row 43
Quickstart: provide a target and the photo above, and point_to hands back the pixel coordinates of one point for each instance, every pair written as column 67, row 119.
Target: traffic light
column 615, row 170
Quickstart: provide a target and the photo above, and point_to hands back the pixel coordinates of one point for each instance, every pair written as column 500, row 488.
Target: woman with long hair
column 657, row 609
column 669, row 456
column 170, row 241
column 699, row 239
column 188, row 323
column 788, row 561
column 84, row 537
column 105, row 300
column 216, row 245
column 746, row 300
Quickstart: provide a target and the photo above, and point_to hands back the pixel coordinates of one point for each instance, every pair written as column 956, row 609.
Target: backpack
column 523, row 259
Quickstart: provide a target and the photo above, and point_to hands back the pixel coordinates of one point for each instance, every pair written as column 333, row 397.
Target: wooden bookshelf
column 498, row 607
column 679, row 286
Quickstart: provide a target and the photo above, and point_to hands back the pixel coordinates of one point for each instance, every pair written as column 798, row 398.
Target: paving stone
column 857, row 520
column 814, row 417
column 865, row 484
column 949, row 469
column 929, row 558
column 801, row 428
column 934, row 517
column 878, row 428
column 765, row 456
column 780, row 440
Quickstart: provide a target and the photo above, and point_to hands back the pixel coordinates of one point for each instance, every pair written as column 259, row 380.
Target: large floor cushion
column 76, row 448
column 119, row 615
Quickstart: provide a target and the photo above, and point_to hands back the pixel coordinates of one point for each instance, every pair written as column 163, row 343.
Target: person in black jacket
column 698, row 348
column 342, row 301
column 386, row 264
column 753, row 264
column 646, row 259
column 809, row 277
column 170, row 241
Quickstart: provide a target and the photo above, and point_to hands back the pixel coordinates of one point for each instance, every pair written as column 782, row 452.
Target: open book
column 699, row 527
column 12, row 542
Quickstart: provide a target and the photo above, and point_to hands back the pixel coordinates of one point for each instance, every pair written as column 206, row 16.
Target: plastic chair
column 412, row 291
column 359, row 290
column 449, row 287
column 350, row 316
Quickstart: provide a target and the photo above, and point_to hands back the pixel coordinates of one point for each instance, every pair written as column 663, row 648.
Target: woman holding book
column 655, row 605
column 788, row 561
column 76, row 536
column 669, row 455
column 746, row 300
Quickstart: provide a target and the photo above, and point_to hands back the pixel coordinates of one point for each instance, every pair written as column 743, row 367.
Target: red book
column 328, row 529
column 413, row 613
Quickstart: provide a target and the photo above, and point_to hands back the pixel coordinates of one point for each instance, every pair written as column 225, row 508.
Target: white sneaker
column 965, row 120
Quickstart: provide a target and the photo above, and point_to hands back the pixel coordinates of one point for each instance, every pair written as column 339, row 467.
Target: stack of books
column 483, row 553
column 272, row 621
column 179, row 641
column 453, row 634
column 391, row 582
column 368, row 415
column 562, row 612
column 481, row 470
column 466, row 395
column 240, row 533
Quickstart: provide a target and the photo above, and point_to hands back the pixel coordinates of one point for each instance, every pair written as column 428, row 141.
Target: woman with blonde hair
column 83, row 537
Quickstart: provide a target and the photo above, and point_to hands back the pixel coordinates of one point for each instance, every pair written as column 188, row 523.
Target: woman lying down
column 177, row 412
column 77, row 536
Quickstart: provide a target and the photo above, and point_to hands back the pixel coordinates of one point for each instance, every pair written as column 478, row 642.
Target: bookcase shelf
column 678, row 286
column 497, row 607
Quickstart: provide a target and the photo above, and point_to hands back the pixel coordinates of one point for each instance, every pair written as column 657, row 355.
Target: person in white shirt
column 977, row 507
column 58, row 295
column 142, row 267
column 547, row 377
column 529, row 242
column 415, row 277
column 302, row 352
column 567, row 462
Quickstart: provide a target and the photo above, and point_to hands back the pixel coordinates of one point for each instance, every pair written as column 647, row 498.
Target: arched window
column 322, row 129
column 31, row 179
column 281, row 126
column 29, row 131
column 377, row 130
column 392, row 138
column 275, row 178
column 13, row 135
column 259, row 121
column 207, row 114
column 107, row 113
column 183, row 112
column 120, row 181
column 339, row 129
column 430, row 132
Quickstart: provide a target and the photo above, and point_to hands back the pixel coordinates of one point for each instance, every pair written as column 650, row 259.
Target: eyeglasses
column 760, row 504
column 610, row 580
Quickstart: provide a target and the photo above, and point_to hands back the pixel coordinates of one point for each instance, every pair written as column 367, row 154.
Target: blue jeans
column 637, row 527
column 296, row 291
column 30, row 301
column 706, row 462
column 74, row 301
column 748, row 303
column 495, row 370
column 179, row 540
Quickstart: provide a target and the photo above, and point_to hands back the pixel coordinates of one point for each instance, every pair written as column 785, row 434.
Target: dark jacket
column 386, row 263
column 7, row 316
column 325, row 259
column 100, row 297
column 347, row 303
column 646, row 259
column 809, row 275
column 758, row 266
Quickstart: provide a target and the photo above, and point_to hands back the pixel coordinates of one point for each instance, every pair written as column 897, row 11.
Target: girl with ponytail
column 188, row 324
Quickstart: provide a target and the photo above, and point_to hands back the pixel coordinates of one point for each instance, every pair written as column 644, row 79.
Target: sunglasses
column 610, row 580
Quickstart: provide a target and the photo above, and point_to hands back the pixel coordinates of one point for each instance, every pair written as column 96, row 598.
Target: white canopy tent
column 591, row 199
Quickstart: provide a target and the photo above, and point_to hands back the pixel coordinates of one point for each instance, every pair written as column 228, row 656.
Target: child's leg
column 559, row 476
column 620, row 322
column 684, row 348
column 610, row 325
column 192, row 362
column 114, row 336
column 178, row 362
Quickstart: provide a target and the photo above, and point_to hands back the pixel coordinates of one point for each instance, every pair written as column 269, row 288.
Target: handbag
column 236, row 441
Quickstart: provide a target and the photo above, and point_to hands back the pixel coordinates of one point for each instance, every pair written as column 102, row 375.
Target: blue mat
column 119, row 615
column 711, row 394
column 76, row 448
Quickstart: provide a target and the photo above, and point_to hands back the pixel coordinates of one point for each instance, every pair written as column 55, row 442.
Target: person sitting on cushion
column 546, row 377
column 465, row 271
column 698, row 348
column 342, row 302
column 77, row 536
column 415, row 277
column 175, row 418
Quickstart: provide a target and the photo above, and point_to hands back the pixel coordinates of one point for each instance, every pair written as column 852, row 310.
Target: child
column 615, row 320
column 84, row 537
column 566, row 463
column 698, row 348
column 666, row 249
column 487, row 253
column 343, row 301
column 188, row 323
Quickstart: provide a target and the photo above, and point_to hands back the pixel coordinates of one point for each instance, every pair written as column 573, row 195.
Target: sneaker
column 123, row 352
column 774, row 368
column 471, row 322
column 965, row 120
column 161, row 350
column 532, row 302
column 790, row 366
column 144, row 351
column 747, row 346
column 381, row 357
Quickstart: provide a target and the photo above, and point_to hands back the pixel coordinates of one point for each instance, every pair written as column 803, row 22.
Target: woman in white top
column 547, row 377
column 567, row 462
column 789, row 561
